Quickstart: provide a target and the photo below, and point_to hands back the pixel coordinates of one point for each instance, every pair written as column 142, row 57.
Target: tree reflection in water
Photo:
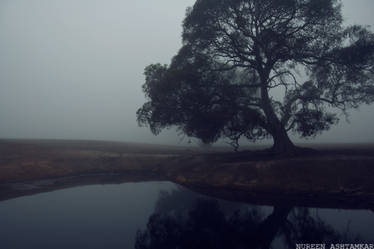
column 182, row 220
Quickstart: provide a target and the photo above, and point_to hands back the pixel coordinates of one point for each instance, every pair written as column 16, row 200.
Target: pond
column 165, row 215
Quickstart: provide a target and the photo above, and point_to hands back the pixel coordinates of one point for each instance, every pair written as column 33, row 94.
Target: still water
column 164, row 215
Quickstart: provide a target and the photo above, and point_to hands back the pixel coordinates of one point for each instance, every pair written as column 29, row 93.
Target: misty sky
column 73, row 69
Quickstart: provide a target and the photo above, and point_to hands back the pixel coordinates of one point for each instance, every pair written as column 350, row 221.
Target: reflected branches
column 182, row 220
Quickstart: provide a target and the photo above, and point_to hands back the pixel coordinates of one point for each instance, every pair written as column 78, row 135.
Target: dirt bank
column 335, row 174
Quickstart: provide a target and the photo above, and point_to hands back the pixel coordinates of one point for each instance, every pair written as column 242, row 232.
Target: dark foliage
column 236, row 52
column 208, row 223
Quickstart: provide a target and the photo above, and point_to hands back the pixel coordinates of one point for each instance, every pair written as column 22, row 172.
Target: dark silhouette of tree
column 237, row 53
column 207, row 226
column 212, row 224
column 303, row 228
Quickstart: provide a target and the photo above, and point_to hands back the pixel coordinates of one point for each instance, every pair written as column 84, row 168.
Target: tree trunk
column 270, row 227
column 282, row 143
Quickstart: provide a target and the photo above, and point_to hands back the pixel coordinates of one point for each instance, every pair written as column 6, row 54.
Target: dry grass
column 336, row 170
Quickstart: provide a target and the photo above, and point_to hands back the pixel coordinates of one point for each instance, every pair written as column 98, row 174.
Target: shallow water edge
column 15, row 190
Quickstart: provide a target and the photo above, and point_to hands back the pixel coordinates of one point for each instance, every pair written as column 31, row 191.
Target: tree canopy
column 259, row 68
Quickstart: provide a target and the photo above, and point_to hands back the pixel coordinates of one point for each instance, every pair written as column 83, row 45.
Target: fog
column 73, row 69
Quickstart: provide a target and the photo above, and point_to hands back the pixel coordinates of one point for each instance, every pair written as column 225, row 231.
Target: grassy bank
column 334, row 173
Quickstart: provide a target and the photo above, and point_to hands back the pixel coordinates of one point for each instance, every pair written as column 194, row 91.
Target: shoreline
column 10, row 191
column 325, row 179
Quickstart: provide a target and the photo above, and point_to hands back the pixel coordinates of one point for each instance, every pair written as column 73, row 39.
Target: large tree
column 258, row 68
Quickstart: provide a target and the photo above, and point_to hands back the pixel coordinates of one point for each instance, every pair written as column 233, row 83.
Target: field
column 333, row 175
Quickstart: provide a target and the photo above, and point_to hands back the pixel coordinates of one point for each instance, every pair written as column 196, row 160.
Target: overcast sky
column 73, row 69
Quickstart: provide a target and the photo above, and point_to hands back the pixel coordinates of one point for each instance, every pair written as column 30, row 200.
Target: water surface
column 164, row 215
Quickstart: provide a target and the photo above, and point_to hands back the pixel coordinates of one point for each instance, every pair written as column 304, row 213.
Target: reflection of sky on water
column 101, row 216
column 357, row 221
column 108, row 216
